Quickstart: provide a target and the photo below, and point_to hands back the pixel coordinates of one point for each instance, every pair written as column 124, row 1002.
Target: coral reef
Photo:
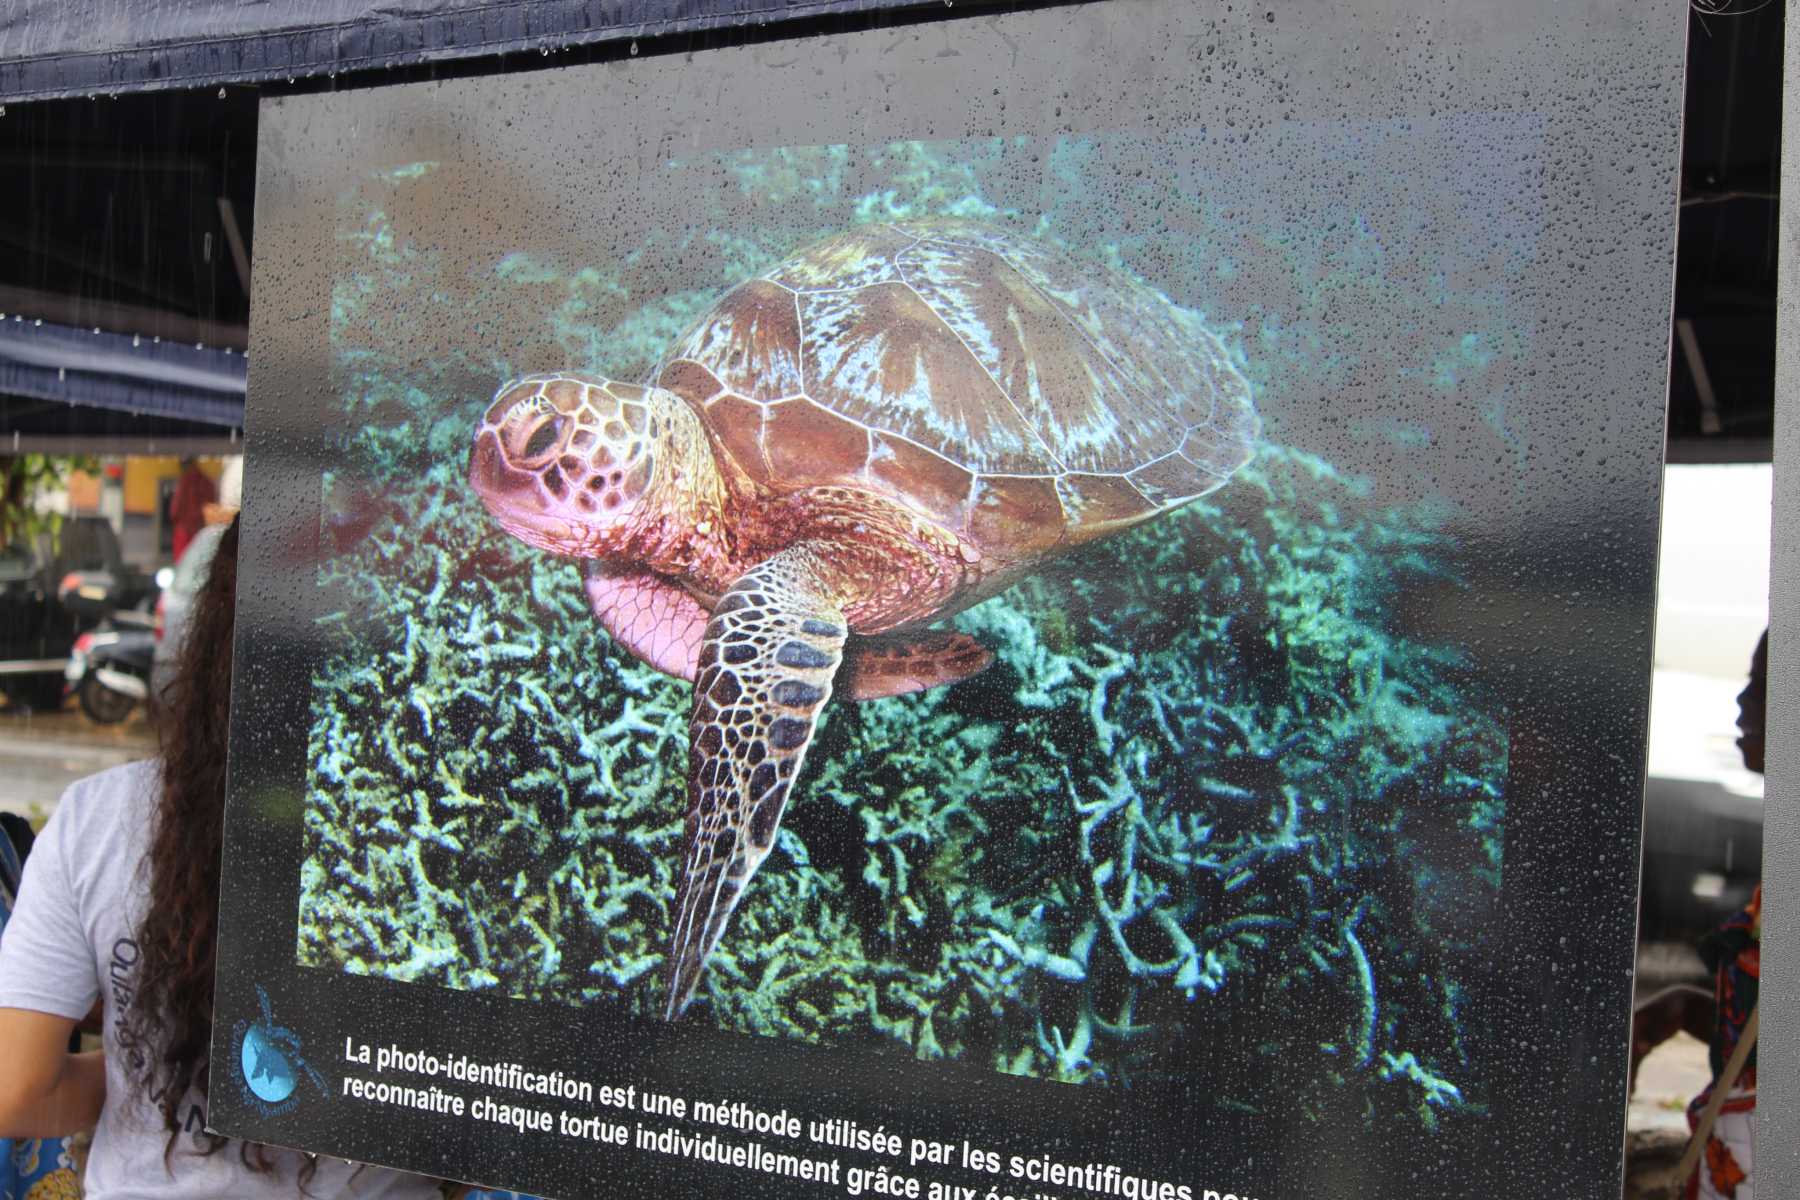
column 1214, row 813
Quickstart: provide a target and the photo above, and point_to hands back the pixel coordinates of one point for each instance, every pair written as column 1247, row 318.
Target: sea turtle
column 893, row 424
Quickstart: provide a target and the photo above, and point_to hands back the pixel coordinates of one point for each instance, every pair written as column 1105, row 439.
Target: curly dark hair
column 166, row 1027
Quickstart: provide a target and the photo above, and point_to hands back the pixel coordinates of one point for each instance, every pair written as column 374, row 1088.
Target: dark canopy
column 125, row 244
column 52, row 48
column 130, row 389
column 136, row 215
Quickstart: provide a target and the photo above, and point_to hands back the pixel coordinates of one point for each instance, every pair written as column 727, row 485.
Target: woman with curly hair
column 118, row 910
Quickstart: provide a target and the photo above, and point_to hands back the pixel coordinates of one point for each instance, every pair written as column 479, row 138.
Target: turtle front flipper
column 648, row 615
column 765, row 670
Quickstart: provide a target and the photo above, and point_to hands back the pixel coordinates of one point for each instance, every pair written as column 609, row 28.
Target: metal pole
column 1778, row 1061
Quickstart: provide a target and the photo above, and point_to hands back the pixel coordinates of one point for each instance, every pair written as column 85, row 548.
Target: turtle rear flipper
column 765, row 671
column 896, row 664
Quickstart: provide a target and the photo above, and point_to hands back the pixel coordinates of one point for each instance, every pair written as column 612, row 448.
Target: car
column 174, row 608
column 54, row 586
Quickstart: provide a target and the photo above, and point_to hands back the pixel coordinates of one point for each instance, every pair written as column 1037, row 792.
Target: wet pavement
column 43, row 753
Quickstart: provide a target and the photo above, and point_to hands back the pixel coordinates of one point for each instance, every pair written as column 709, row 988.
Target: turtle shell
column 1017, row 396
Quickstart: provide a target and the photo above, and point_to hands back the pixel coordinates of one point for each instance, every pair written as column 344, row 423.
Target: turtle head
column 565, row 462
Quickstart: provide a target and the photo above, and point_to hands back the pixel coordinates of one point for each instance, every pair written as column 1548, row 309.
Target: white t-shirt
column 70, row 935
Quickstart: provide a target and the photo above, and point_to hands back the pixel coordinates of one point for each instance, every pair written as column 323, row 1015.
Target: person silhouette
column 1753, row 707
column 119, row 905
column 194, row 490
column 1733, row 953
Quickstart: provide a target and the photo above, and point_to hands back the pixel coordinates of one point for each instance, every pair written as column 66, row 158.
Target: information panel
column 1023, row 606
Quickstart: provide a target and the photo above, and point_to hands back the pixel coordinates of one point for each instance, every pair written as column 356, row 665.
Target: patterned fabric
column 38, row 1169
column 1734, row 952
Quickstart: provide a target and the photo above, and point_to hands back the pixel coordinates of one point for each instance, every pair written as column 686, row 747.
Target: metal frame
column 174, row 446
column 1778, row 1074
column 344, row 43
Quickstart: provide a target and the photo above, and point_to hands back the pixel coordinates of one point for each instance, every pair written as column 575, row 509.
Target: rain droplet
column 221, row 93
column 634, row 45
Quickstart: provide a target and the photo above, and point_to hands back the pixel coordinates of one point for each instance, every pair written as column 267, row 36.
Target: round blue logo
column 266, row 1067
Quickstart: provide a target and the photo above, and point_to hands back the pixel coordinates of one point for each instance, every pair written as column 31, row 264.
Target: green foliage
column 24, row 480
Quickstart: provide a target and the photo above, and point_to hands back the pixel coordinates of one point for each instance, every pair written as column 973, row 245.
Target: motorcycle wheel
column 102, row 704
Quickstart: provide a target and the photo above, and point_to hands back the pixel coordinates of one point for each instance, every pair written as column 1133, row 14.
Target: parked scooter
column 108, row 671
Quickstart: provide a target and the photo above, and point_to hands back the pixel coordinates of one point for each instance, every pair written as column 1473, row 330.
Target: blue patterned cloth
column 38, row 1169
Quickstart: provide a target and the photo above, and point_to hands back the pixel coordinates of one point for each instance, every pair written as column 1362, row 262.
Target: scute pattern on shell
column 949, row 362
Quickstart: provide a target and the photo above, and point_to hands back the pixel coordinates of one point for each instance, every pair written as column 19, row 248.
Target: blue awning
column 123, row 373
column 52, row 48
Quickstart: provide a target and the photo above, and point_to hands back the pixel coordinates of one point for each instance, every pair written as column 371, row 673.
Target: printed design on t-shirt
column 269, row 1062
column 121, row 968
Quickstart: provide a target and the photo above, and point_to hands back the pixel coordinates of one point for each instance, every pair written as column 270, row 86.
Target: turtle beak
column 512, row 465
column 516, row 498
column 513, row 496
column 492, row 474
column 561, row 460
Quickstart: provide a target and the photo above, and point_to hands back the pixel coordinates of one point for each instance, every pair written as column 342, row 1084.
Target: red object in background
column 114, row 471
column 187, row 507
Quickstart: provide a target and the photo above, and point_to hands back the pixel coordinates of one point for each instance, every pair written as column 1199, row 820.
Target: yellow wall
column 142, row 474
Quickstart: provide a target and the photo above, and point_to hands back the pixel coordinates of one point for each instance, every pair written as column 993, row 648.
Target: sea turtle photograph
column 907, row 598
column 881, row 431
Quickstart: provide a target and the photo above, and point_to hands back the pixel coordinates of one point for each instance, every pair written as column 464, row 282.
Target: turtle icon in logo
column 269, row 1062
column 266, row 1070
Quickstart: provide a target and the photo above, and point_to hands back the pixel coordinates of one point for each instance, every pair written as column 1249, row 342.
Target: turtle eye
column 542, row 438
column 534, row 438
